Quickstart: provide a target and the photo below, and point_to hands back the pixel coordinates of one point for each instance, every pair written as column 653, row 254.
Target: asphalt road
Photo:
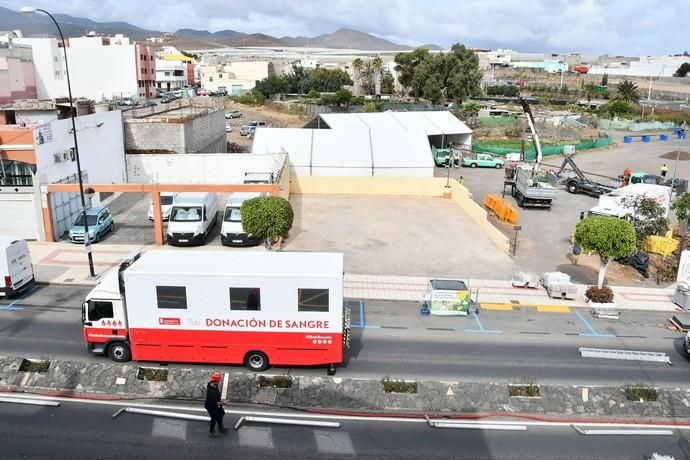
column 78, row 430
column 392, row 339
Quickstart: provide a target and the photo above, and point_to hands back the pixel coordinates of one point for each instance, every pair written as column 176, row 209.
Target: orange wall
column 13, row 135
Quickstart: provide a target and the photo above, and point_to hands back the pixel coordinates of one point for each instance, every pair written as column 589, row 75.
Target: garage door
column 66, row 207
column 18, row 216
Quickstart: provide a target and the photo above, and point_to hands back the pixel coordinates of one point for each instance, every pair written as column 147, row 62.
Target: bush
column 527, row 388
column 31, row 365
column 268, row 217
column 640, row 392
column 279, row 381
column 398, row 386
column 599, row 294
column 152, row 375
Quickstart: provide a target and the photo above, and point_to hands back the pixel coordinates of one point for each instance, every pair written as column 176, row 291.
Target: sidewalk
column 66, row 264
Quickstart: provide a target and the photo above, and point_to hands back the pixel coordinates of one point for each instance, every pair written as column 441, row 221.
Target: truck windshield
column 185, row 214
column 232, row 215
column 90, row 220
column 448, row 285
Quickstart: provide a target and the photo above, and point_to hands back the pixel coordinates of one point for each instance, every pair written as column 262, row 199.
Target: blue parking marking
column 593, row 332
column 11, row 306
column 481, row 329
column 362, row 323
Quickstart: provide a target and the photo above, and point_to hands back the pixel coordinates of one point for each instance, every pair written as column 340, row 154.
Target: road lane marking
column 593, row 332
column 482, row 329
column 496, row 306
column 553, row 309
column 362, row 322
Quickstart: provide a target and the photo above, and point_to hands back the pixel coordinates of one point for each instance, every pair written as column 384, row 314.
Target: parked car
column 167, row 199
column 251, row 127
column 483, row 160
column 228, row 128
column 233, row 114
column 99, row 220
column 169, row 97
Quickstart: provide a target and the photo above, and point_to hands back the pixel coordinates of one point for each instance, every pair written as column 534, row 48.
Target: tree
column 647, row 217
column 388, row 83
column 616, row 108
column 343, row 97
column 605, row 80
column 432, row 90
column 377, row 68
column 682, row 207
column 682, row 70
column 268, row 217
column 357, row 66
column 406, row 64
column 590, row 91
column 627, row 91
column 470, row 109
column 610, row 237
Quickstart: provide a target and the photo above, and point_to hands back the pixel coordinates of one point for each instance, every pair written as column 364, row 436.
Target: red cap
column 216, row 377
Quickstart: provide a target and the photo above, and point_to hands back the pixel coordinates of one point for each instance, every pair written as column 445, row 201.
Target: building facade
column 17, row 77
column 146, row 70
column 235, row 77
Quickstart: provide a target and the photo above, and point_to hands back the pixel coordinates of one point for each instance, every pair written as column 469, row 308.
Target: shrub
column 31, row 365
column 527, row 388
column 152, row 375
column 268, row 217
column 398, row 386
column 279, row 381
column 599, row 294
column 640, row 392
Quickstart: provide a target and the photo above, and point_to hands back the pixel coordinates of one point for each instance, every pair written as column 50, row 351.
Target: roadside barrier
column 661, row 245
column 501, row 208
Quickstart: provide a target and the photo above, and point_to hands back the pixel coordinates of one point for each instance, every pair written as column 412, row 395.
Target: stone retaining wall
column 110, row 379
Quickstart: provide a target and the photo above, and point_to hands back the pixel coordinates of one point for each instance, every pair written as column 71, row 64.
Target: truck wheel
column 498, row 166
column 256, row 361
column 573, row 188
column 473, row 165
column 521, row 200
column 119, row 352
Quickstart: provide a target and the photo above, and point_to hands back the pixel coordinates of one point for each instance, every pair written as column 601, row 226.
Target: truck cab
column 103, row 316
column 232, row 233
column 192, row 217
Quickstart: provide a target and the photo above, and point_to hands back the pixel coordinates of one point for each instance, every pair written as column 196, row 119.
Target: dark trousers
column 216, row 415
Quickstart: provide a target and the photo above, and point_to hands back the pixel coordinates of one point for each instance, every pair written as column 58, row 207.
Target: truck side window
column 245, row 298
column 171, row 297
column 312, row 300
column 99, row 310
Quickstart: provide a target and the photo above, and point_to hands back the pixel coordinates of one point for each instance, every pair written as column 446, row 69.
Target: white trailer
column 256, row 308
column 611, row 204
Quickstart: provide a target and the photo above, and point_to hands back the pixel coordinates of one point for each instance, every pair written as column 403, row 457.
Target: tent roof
column 431, row 122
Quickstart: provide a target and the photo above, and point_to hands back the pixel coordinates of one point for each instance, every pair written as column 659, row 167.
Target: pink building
column 146, row 70
column 17, row 77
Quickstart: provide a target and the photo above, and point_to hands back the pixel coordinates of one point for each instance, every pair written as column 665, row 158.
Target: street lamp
column 28, row 11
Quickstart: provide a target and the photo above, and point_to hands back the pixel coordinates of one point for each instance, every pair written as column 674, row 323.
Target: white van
column 232, row 233
column 15, row 266
column 192, row 217
column 167, row 199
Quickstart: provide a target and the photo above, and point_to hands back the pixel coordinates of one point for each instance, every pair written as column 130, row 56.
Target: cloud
column 632, row 27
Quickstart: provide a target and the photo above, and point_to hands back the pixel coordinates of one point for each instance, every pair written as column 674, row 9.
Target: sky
column 590, row 27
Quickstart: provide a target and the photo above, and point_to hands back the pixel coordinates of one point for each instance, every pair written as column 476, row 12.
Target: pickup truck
column 483, row 160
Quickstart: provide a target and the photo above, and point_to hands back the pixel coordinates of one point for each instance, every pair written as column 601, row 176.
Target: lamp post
column 28, row 11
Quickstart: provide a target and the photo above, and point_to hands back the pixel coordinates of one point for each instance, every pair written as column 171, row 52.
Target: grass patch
column 640, row 393
column 279, row 381
column 527, row 388
column 515, row 143
column 398, row 386
column 34, row 365
column 152, row 375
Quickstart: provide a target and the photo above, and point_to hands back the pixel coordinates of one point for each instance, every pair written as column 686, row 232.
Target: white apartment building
column 101, row 68
column 235, row 77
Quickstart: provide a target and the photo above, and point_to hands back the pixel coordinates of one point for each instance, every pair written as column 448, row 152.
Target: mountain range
column 40, row 25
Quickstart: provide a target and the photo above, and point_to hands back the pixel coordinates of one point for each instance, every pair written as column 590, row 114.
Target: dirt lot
column 395, row 235
column 274, row 118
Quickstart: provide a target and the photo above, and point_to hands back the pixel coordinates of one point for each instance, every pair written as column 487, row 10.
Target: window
column 171, row 297
column 210, row 78
column 99, row 310
column 312, row 300
column 141, row 57
column 232, row 215
column 167, row 74
column 186, row 214
column 245, row 298
column 220, row 75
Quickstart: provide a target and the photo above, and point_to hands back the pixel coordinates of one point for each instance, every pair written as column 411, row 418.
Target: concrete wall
column 206, row 134
column 401, row 186
column 154, row 135
column 203, row 168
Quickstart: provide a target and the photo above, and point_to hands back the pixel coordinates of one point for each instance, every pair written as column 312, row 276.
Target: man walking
column 664, row 170
column 213, row 404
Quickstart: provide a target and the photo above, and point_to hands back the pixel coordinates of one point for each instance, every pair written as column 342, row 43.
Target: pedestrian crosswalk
column 331, row 442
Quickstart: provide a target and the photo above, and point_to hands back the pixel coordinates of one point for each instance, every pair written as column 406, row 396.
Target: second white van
column 16, row 271
column 192, row 217
column 232, row 233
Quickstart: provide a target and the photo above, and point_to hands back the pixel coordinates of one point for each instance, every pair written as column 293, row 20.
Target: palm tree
column 626, row 91
column 368, row 77
column 357, row 65
column 377, row 67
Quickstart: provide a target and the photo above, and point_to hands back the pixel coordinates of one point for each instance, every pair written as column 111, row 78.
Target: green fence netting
column 547, row 150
